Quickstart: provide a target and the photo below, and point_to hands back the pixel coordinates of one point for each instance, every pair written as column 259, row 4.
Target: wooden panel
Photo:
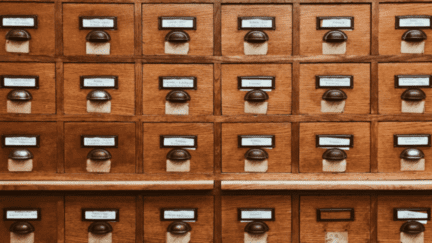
column 123, row 157
column 358, row 101
column 279, row 101
column 201, row 39
column 155, row 157
column 358, row 157
column 76, row 230
column 201, row 102
column 279, row 230
column 280, row 40
column 44, row 98
column 155, row 230
column 311, row 39
column 233, row 159
column 313, row 231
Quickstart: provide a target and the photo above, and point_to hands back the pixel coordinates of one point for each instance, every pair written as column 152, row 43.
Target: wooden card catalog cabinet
column 18, row 39
column 20, row 158
column 21, row 229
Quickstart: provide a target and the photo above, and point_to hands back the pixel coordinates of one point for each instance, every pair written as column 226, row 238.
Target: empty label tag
column 179, row 214
column 22, row 214
column 336, row 23
column 414, row 22
column 413, row 140
column 19, row 82
column 100, row 215
column 99, row 82
column 257, row 23
column 179, row 142
column 257, row 141
column 178, row 83
column 21, row 141
column 98, row 23
column 335, row 82
column 256, row 214
column 177, row 23
column 328, row 141
column 407, row 81
column 15, row 22
column 99, row 141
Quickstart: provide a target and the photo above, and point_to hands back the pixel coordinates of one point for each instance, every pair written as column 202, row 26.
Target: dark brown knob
column 256, row 36
column 19, row 95
column 256, row 227
column 413, row 95
column 256, row 154
column 412, row 227
column 178, row 154
column 99, row 95
column 177, row 36
column 335, row 36
column 99, row 154
column 100, row 228
column 21, row 227
column 412, row 154
column 18, row 35
column 20, row 154
column 334, row 154
column 98, row 36
column 256, row 95
column 177, row 96
column 179, row 227
column 334, row 95
column 414, row 35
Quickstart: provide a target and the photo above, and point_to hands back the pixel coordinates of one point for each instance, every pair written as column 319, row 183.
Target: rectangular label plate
column 19, row 81
column 172, row 23
column 402, row 214
column 413, row 22
column 19, row 21
column 92, row 82
column 100, row 214
column 252, row 141
column 262, row 214
column 334, row 82
column 324, row 141
column 411, row 140
column 20, row 141
column 335, row 210
column 256, row 23
column 172, row 214
column 97, row 22
column 95, row 141
column 177, row 83
column 408, row 81
column 340, row 23
column 178, row 141
column 256, row 82
column 14, row 214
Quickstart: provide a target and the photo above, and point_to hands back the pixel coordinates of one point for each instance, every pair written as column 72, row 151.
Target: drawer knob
column 98, row 36
column 178, row 154
column 335, row 36
column 99, row 95
column 256, row 154
column 334, row 95
column 177, row 36
column 334, row 154
column 99, row 154
column 19, row 95
column 412, row 154
column 20, row 154
column 100, row 228
column 22, row 227
column 256, row 96
column 179, row 227
column 256, row 36
column 412, row 227
column 414, row 35
column 18, row 35
column 256, row 227
column 178, row 96
column 413, row 95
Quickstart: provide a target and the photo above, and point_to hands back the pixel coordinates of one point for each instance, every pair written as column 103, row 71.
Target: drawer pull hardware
column 256, row 36
column 99, row 95
column 22, row 227
column 18, row 35
column 179, row 154
column 177, row 36
column 334, row 154
column 414, row 35
column 335, row 36
column 20, row 154
column 179, row 227
column 413, row 95
column 178, row 96
column 412, row 227
column 412, row 154
column 100, row 228
column 98, row 36
column 19, row 95
column 256, row 96
column 99, row 154
column 334, row 95
column 256, row 154
column 256, row 227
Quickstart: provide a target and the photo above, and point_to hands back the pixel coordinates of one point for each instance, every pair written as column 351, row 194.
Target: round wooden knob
column 18, row 35
column 179, row 227
column 98, row 36
column 256, row 95
column 256, row 36
column 256, row 154
column 412, row 154
column 412, row 227
column 414, row 35
column 334, row 154
column 19, row 95
column 21, row 227
column 178, row 96
column 413, row 95
column 256, row 228
column 99, row 95
column 335, row 36
column 178, row 154
column 334, row 95
column 100, row 228
column 20, row 154
column 99, row 154
column 177, row 36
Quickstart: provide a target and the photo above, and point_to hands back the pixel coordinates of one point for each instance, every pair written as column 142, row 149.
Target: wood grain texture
column 358, row 101
column 201, row 39
column 358, row 159
column 279, row 230
column 280, row 40
column 279, row 101
column 358, row 42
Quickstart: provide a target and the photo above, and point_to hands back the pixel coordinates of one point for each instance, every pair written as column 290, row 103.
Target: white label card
column 412, row 140
column 98, row 23
column 414, row 22
column 329, row 141
column 257, row 141
column 24, row 22
column 405, row 214
column 179, row 141
column 178, row 83
column 100, row 215
column 257, row 23
column 22, row 214
column 19, row 82
column 179, row 214
column 336, row 23
column 335, row 82
column 178, row 23
column 20, row 141
column 99, row 82
column 99, row 141
column 256, row 214
column 408, row 82
column 256, row 83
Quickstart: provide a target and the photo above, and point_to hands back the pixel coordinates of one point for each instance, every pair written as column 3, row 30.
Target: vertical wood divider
column 138, row 29
column 217, row 233
column 295, row 96
column 58, row 25
column 295, row 148
column 59, row 73
column 296, row 28
column 61, row 220
column 139, row 237
column 374, row 146
column 375, row 28
column 374, row 88
column 374, row 218
column 217, row 7
column 139, row 144
column 295, row 214
column 217, row 87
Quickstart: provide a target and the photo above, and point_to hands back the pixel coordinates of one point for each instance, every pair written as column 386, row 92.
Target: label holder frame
column 116, row 210
column 240, row 78
column 162, row 18
column 399, row 17
column 396, row 136
column 162, row 212
column 334, row 210
column 397, row 77
column 82, row 79
column 39, row 214
column 194, row 137
column 319, row 18
column 34, row 17
column 82, row 137
column 318, row 86
column 240, row 137
column 349, row 136
column 3, row 77
column 161, row 79
column 81, row 22
column 240, row 19
column 396, row 210
column 4, row 136
column 240, row 210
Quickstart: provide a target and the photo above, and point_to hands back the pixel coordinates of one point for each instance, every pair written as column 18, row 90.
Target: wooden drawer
column 336, row 220
column 43, row 98
column 233, row 96
column 42, row 215
column 81, row 80
column 279, row 39
column 123, row 229
column 357, row 157
column 42, row 35
column 234, row 155
column 117, row 138
column 155, row 229
column 121, row 36
column 163, row 79
column 233, row 227
column 316, row 80
column 358, row 38
column 200, row 38
column 201, row 153
column 41, row 145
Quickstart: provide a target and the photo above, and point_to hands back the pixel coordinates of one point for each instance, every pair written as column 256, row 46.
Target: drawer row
column 188, row 29
column 102, row 147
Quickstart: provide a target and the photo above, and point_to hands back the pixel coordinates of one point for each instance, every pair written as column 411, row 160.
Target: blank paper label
column 177, row 23
column 336, row 23
column 100, row 215
column 20, row 82
column 413, row 140
column 257, row 83
column 179, row 214
column 179, row 142
column 413, row 82
column 256, row 214
column 327, row 141
column 20, row 141
column 335, row 82
column 257, row 23
column 99, row 82
column 412, row 215
column 94, row 23
column 24, row 22
column 99, row 141
column 257, row 142
column 178, row 83
column 22, row 214
column 414, row 22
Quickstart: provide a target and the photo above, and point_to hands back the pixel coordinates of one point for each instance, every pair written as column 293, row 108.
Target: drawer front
column 77, row 93
column 279, row 39
column 42, row 215
column 234, row 155
column 161, row 81
column 200, row 157
column 279, row 228
column 42, row 134
column 334, row 222
column 121, row 147
column 43, row 98
column 200, row 39
column 357, row 157
column 201, row 228
column 121, row 39
column 233, row 96
column 42, row 34
column 358, row 38
column 77, row 229
column 315, row 80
